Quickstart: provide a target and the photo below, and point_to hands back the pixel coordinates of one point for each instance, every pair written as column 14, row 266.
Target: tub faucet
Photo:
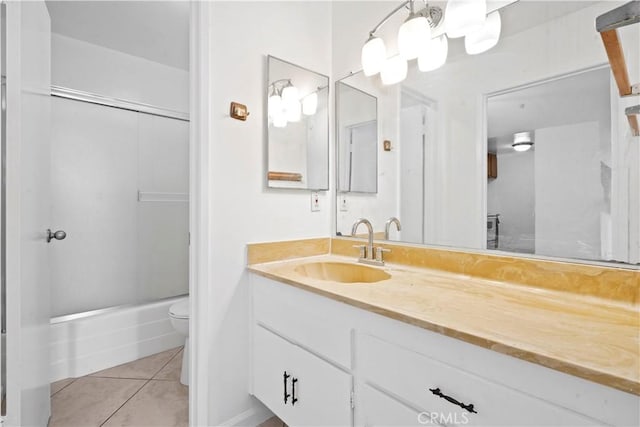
column 368, row 254
column 387, row 226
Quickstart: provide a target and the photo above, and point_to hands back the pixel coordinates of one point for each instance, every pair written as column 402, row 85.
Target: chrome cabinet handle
column 58, row 235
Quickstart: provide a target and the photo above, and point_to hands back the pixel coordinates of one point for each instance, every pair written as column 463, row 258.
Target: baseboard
column 250, row 418
column 83, row 346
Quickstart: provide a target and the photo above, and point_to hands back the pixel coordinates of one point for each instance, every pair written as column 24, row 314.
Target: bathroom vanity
column 338, row 343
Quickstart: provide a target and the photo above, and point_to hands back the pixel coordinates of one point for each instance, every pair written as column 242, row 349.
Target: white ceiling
column 159, row 30
column 154, row 30
column 575, row 99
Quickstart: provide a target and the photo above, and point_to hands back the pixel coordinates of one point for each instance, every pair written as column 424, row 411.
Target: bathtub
column 88, row 342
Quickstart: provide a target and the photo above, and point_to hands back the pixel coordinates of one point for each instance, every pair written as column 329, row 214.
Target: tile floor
column 145, row 392
column 273, row 422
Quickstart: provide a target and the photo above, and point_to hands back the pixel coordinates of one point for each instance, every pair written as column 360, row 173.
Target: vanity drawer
column 382, row 410
column 314, row 322
column 418, row 379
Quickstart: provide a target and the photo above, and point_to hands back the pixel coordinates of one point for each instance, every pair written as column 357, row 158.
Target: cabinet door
column 322, row 393
column 272, row 357
column 318, row 392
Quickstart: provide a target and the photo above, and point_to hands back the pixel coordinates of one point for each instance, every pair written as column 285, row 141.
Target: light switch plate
column 315, row 201
column 344, row 205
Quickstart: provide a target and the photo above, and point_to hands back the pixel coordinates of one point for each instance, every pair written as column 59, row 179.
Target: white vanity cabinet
column 299, row 387
column 297, row 355
column 354, row 367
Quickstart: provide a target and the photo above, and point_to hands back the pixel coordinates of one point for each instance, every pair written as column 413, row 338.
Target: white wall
column 412, row 159
column 243, row 210
column 512, row 195
column 569, row 197
column 88, row 67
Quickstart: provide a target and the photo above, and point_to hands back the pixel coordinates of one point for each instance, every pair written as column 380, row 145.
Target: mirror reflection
column 523, row 149
column 298, row 120
column 550, row 193
column 357, row 124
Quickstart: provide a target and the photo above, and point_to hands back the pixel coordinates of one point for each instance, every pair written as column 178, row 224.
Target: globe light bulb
column 374, row 55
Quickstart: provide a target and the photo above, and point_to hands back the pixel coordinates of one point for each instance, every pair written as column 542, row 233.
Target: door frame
column 25, row 365
column 199, row 210
column 200, row 247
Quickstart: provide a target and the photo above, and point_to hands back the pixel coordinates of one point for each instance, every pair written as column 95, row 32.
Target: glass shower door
column 120, row 189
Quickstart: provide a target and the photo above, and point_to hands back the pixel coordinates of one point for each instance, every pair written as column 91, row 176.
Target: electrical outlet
column 315, row 201
column 344, row 205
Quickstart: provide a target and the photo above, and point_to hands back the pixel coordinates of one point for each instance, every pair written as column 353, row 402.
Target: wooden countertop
column 592, row 338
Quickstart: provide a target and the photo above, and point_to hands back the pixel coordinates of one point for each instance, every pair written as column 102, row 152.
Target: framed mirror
column 298, row 127
column 357, row 140
column 455, row 178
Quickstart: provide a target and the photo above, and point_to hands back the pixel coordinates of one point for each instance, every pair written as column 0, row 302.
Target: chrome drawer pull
column 438, row 393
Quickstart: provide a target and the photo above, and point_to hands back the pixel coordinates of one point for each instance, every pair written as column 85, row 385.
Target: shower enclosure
column 119, row 177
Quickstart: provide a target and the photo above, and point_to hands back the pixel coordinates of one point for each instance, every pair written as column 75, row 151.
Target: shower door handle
column 58, row 235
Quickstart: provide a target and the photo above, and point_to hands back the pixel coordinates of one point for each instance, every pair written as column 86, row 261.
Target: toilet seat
column 180, row 310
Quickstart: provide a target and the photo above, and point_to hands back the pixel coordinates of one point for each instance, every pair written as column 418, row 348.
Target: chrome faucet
column 368, row 254
column 387, row 226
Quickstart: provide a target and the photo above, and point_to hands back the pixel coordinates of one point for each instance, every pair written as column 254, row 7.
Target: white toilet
column 179, row 315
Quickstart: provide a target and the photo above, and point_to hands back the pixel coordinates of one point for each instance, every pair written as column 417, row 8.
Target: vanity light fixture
column 291, row 102
column 435, row 54
column 394, row 70
column 412, row 34
column 274, row 103
column 424, row 35
column 485, row 38
column 522, row 141
column 374, row 54
column 293, row 111
column 464, row 17
column 310, row 104
column 284, row 103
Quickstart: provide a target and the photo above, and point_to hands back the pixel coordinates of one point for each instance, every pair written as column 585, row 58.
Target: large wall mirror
column 523, row 149
column 357, row 140
column 298, row 120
